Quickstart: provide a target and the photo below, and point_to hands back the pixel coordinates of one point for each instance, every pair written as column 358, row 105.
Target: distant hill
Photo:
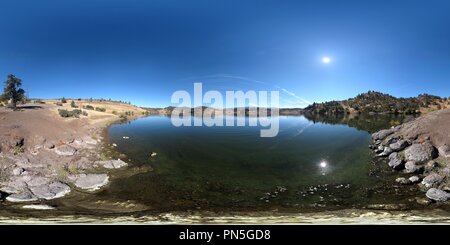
column 378, row 103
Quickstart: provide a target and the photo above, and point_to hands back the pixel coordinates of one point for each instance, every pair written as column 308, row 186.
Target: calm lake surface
column 311, row 164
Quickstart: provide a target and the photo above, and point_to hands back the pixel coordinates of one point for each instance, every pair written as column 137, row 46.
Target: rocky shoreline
column 30, row 182
column 419, row 151
column 39, row 166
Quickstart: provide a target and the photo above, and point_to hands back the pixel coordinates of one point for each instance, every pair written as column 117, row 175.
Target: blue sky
column 143, row 51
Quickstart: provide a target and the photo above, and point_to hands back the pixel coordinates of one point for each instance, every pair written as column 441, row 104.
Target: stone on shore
column 438, row 195
column 91, row 182
column 432, row 179
column 414, row 179
column 420, row 153
column 412, row 167
column 38, row 207
column 399, row 145
column 403, row 181
column 112, row 164
column 50, row 191
column 24, row 196
column 386, row 152
column 395, row 162
column 431, row 165
column 17, row 171
column 65, row 150
column 444, row 151
column 380, row 135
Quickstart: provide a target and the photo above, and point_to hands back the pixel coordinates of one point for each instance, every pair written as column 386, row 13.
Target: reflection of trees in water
column 366, row 122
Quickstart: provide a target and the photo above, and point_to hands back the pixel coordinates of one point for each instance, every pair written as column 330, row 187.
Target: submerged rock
column 112, row 164
column 91, row 182
column 432, row 179
column 438, row 195
column 65, row 150
column 420, row 153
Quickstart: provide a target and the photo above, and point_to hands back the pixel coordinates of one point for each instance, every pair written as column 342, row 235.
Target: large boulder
column 438, row 195
column 399, row 145
column 112, row 164
column 432, row 179
column 420, row 153
column 90, row 182
column 380, row 135
column 65, row 150
column 412, row 167
column 50, row 191
column 444, row 151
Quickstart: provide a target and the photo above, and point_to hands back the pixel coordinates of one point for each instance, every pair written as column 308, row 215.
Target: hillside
column 379, row 103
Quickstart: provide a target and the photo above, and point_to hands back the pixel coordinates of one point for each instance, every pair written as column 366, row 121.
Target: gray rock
column 399, row 145
column 25, row 196
column 403, row 181
column 438, row 195
column 411, row 167
column 420, row 153
column 49, row 145
column 17, row 171
column 65, row 150
column 112, row 164
column 432, row 179
column 386, row 152
column 391, row 139
column 91, row 182
column 431, row 165
column 380, row 135
column 414, row 179
column 393, row 155
column 51, row 191
column 444, row 151
column 395, row 162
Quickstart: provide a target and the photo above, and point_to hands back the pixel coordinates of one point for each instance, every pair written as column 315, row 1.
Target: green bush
column 100, row 109
column 65, row 113
column 114, row 112
column 88, row 107
column 63, row 100
column 85, row 113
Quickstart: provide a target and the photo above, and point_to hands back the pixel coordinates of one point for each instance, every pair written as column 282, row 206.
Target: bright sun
column 326, row 60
